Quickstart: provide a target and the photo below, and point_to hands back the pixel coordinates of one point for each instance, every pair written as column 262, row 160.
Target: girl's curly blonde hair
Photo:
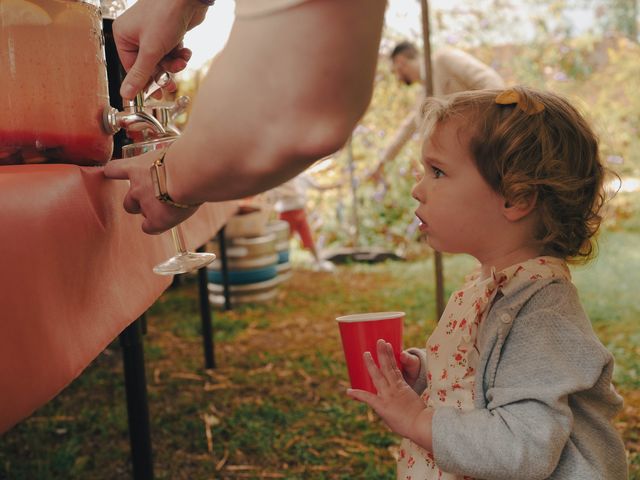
column 534, row 145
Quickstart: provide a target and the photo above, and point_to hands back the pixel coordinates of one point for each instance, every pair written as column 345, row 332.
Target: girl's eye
column 437, row 173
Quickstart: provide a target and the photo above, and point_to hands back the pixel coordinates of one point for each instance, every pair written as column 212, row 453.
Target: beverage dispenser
column 53, row 83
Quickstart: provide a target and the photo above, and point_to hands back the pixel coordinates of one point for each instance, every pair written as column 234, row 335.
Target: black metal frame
column 137, row 403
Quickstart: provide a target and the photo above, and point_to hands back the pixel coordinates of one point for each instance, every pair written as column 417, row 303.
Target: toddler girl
column 513, row 383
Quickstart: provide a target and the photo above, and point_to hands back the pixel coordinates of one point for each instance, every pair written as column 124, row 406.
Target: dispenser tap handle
column 113, row 121
column 181, row 104
column 135, row 114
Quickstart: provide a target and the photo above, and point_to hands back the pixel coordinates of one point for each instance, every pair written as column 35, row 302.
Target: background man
column 453, row 71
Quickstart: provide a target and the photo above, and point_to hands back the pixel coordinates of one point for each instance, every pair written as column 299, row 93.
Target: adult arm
column 467, row 70
column 268, row 109
column 287, row 89
column 400, row 138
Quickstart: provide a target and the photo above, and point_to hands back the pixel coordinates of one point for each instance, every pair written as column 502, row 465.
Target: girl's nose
column 416, row 193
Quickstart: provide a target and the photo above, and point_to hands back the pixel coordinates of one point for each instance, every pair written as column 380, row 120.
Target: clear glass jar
column 111, row 9
column 53, row 82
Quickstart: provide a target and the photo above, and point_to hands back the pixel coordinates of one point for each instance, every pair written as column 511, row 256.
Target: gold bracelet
column 159, row 180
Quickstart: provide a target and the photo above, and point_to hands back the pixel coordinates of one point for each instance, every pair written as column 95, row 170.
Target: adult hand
column 149, row 37
column 158, row 216
column 397, row 404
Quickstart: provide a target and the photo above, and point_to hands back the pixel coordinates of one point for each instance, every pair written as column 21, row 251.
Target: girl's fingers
column 363, row 396
column 410, row 367
column 383, row 357
column 408, row 360
column 374, row 372
column 388, row 364
column 397, row 373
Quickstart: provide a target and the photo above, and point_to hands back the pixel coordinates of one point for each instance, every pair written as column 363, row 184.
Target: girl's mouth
column 423, row 225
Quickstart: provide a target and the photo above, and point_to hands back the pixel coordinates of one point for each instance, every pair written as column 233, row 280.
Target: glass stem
column 178, row 240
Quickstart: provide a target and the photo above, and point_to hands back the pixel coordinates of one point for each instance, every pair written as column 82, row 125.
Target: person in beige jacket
column 453, row 71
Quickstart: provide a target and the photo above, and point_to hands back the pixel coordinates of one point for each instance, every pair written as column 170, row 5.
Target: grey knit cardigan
column 543, row 395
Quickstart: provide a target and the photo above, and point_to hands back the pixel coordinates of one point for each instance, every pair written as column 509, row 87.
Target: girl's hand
column 397, row 404
column 410, row 367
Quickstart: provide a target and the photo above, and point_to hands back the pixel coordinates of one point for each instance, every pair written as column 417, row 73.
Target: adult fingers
column 183, row 53
column 157, row 94
column 176, row 60
column 130, row 204
column 162, row 219
column 173, row 65
column 140, row 73
column 117, row 170
column 151, row 228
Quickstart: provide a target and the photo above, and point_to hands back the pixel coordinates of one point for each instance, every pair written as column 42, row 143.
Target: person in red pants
column 290, row 203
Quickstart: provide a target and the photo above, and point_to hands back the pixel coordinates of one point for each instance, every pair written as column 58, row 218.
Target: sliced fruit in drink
column 22, row 12
column 75, row 15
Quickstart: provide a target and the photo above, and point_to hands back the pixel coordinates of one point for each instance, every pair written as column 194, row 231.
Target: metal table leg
column 137, row 405
column 205, row 315
column 224, row 270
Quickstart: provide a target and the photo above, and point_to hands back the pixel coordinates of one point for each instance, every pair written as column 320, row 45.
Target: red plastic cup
column 360, row 333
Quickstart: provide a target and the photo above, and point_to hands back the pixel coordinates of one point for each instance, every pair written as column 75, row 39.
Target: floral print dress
column 453, row 356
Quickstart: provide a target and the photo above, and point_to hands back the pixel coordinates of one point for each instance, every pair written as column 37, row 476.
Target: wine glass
column 183, row 261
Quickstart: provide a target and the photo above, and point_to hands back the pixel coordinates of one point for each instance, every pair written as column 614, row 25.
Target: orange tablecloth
column 76, row 271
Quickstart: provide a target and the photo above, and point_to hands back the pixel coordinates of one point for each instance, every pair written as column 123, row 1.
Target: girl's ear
column 521, row 208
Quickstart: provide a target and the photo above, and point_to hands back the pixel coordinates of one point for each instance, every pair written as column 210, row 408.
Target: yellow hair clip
column 510, row 97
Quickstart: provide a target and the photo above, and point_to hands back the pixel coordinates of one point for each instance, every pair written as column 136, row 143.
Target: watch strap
column 159, row 180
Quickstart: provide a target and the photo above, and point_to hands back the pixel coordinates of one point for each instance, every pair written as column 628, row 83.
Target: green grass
column 275, row 406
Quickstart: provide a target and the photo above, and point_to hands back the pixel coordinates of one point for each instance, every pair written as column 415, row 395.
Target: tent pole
column 428, row 84
column 354, row 196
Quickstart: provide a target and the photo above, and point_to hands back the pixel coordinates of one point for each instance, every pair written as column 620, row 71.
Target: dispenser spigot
column 135, row 117
column 167, row 113
column 114, row 120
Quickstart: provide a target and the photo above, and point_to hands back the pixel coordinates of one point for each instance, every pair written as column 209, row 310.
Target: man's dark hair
column 405, row 48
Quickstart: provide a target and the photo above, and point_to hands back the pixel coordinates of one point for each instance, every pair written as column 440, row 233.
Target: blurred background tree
column 617, row 16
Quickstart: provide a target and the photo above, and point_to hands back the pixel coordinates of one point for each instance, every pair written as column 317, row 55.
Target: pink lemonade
column 53, row 83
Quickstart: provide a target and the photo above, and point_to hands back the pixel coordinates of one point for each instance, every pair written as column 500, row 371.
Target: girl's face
column 458, row 210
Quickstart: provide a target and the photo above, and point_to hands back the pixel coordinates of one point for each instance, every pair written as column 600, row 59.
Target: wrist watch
column 159, row 180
